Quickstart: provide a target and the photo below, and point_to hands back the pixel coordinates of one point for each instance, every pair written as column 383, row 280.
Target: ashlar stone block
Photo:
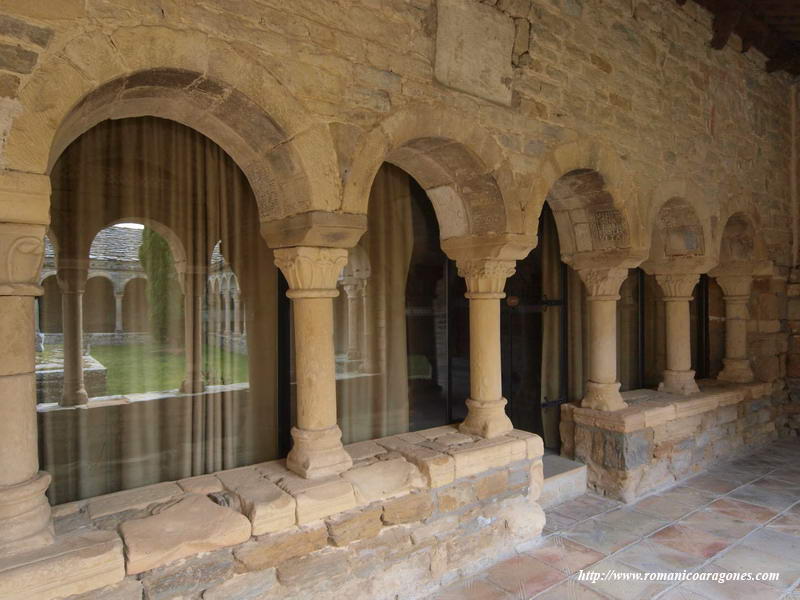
column 132, row 499
column 188, row 526
column 483, row 455
column 318, row 498
column 354, row 525
column 384, row 479
column 267, row 506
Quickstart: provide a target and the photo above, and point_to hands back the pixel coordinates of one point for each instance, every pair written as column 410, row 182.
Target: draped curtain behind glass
column 551, row 331
column 184, row 187
column 373, row 395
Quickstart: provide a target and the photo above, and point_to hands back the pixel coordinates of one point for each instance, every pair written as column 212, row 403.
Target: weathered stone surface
column 270, row 550
column 407, row 509
column 318, row 498
column 25, row 32
column 491, row 485
column 202, row 484
column 184, row 579
column 267, row 506
column 456, row 496
column 16, row 59
column 363, row 450
column 327, row 565
column 127, row 589
column 185, row 527
column 354, row 525
column 437, row 467
column 248, row 586
column 132, row 499
column 473, row 49
column 9, row 84
column 74, row 564
column 383, row 480
column 483, row 455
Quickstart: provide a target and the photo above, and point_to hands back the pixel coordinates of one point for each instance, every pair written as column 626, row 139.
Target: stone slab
column 132, row 499
column 247, row 586
column 273, row 549
column 480, row 456
column 74, row 564
column 188, row 526
column 267, row 506
column 318, row 498
column 202, row 484
column 437, row 467
column 384, row 479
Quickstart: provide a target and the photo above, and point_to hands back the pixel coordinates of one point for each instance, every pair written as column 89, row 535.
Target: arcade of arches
column 271, row 337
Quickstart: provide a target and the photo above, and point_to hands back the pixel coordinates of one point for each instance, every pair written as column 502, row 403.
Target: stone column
column 194, row 281
column 118, row 328
column 602, row 288
column 24, row 510
column 736, row 290
column 312, row 274
column 486, row 415
column 354, row 288
column 678, row 377
column 237, row 314
column 226, row 299
column 71, row 278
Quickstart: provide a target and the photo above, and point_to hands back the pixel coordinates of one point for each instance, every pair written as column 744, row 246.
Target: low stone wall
column 50, row 382
column 660, row 439
column 415, row 512
column 103, row 339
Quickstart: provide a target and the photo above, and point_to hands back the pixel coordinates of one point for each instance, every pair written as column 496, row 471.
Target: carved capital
column 603, row 284
column 485, row 278
column 354, row 287
column 735, row 285
column 311, row 272
column 21, row 254
column 679, row 286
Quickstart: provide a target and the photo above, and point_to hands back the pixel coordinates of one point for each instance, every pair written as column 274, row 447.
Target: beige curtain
column 191, row 194
column 373, row 395
column 551, row 333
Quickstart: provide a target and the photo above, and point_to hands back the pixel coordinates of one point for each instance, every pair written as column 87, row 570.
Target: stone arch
column 177, row 245
column 99, row 305
column 740, row 242
column 593, row 196
column 455, row 165
column 218, row 88
column 681, row 237
column 135, row 306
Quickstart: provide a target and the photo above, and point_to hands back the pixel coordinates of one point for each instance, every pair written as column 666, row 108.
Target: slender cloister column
column 486, row 415
column 72, row 275
column 24, row 510
column 312, row 274
column 354, row 287
column 237, row 313
column 118, row 312
column 678, row 377
column 736, row 295
column 194, row 283
column 226, row 299
column 602, row 387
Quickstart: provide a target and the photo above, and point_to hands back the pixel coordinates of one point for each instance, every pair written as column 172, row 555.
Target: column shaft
column 24, row 509
column 486, row 415
column 118, row 313
column 72, row 282
column 194, row 286
column 736, row 290
column 678, row 377
column 312, row 273
column 237, row 314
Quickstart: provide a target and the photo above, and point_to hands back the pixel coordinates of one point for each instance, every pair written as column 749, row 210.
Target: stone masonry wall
column 416, row 512
column 667, row 439
column 638, row 76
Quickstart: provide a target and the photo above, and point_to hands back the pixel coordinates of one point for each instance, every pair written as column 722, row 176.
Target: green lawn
column 152, row 367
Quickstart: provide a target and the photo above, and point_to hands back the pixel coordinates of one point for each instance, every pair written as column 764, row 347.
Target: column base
column 487, row 419
column 318, row 453
column 681, row 383
column 25, row 515
column 76, row 398
column 603, row 396
column 736, row 370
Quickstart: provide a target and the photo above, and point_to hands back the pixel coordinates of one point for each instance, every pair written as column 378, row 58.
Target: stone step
column 564, row 479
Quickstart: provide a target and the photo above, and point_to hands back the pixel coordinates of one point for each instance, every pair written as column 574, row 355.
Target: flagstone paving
column 742, row 516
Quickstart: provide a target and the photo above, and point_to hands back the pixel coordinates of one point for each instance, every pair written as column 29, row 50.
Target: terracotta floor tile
column 661, row 507
column 597, row 536
column 651, row 557
column 473, row 590
column 570, row 590
column 556, row 521
column 789, row 523
column 565, row 555
column 710, row 483
column 718, row 523
column 627, row 518
column 773, row 542
column 688, row 496
column 732, row 590
column 681, row 593
column 621, row 589
column 691, row 541
column 741, row 510
column 585, row 507
column 763, row 497
column 742, row 559
column 524, row 575
column 790, row 474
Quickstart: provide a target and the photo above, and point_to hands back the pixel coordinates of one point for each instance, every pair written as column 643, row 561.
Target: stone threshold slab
column 650, row 408
column 75, row 563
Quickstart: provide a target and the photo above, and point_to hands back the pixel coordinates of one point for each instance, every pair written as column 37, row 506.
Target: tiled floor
column 739, row 517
